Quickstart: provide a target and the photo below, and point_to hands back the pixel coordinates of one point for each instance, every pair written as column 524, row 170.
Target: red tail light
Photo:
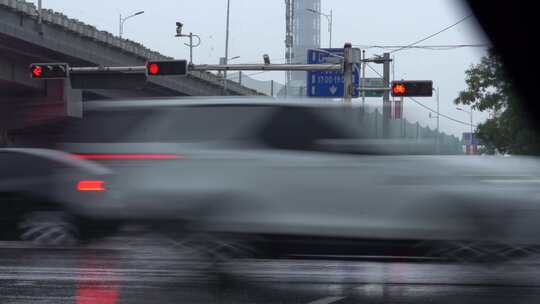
column 91, row 185
column 127, row 156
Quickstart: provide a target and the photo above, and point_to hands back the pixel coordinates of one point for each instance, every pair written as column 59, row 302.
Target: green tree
column 488, row 89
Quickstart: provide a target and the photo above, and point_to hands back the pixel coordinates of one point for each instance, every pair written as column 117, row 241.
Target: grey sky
column 257, row 27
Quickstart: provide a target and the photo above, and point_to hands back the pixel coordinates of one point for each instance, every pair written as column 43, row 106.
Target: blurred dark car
column 281, row 175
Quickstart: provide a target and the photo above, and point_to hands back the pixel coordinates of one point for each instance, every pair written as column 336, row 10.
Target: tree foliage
column 488, row 89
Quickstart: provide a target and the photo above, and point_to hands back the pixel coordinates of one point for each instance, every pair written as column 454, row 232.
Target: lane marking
column 327, row 300
column 370, row 257
column 512, row 181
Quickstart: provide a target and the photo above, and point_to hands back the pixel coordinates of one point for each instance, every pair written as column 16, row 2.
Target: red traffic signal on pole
column 399, row 89
column 153, row 69
column 49, row 70
column 412, row 88
column 37, row 71
column 169, row 67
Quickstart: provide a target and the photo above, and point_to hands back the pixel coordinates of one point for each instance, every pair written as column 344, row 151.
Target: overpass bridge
column 23, row 40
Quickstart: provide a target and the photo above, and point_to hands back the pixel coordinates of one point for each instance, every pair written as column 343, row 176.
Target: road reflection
column 97, row 284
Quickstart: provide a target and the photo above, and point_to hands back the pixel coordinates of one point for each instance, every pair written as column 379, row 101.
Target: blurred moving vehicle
column 281, row 176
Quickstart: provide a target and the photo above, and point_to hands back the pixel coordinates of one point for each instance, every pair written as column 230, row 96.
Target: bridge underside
column 25, row 101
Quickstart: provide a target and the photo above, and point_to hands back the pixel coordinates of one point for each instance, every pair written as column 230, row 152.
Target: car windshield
column 237, row 151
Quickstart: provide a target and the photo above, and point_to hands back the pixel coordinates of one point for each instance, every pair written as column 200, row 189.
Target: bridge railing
column 125, row 45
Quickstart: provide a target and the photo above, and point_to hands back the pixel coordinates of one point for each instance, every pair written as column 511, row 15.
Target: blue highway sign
column 328, row 83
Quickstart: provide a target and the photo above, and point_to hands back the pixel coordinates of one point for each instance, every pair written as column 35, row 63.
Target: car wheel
column 49, row 228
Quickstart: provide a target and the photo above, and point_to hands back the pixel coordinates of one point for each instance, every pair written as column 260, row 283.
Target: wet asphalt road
column 152, row 269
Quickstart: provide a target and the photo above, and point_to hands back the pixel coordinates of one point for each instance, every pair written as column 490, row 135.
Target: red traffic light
column 49, row 70
column 412, row 88
column 166, row 67
column 399, row 89
column 36, row 71
column 153, row 69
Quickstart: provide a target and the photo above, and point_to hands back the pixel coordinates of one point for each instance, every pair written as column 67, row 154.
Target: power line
column 426, row 107
column 261, row 72
column 371, row 68
column 433, row 35
column 257, row 73
column 415, row 101
column 440, row 114
column 443, row 47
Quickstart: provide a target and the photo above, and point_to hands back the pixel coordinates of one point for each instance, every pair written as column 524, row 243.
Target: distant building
column 305, row 28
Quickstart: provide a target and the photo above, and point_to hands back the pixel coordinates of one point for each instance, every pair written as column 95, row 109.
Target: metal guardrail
column 82, row 29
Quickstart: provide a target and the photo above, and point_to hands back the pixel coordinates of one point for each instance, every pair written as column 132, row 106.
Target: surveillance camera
column 179, row 26
column 266, row 59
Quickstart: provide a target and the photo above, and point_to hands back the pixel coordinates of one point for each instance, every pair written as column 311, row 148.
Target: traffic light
column 49, row 70
column 162, row 68
column 412, row 88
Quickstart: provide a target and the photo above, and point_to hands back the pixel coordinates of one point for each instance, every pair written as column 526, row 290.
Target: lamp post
column 226, row 46
column 329, row 18
column 223, row 61
column 123, row 20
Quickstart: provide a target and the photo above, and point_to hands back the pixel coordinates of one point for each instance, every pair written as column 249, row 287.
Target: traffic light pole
column 363, row 81
column 266, row 67
column 181, row 67
column 348, row 73
column 438, row 146
column 387, row 105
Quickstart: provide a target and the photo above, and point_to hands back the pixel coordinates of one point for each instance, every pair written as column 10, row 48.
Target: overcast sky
column 258, row 27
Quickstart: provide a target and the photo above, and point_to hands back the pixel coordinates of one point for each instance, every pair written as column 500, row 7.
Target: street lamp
column 471, row 117
column 179, row 26
column 224, row 61
column 123, row 20
column 227, row 45
column 329, row 18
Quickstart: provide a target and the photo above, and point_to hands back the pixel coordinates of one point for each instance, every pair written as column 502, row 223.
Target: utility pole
column 403, row 121
column 331, row 26
column 471, row 141
column 387, row 105
column 363, row 82
column 289, row 43
column 226, row 47
column 438, row 146
column 348, row 73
